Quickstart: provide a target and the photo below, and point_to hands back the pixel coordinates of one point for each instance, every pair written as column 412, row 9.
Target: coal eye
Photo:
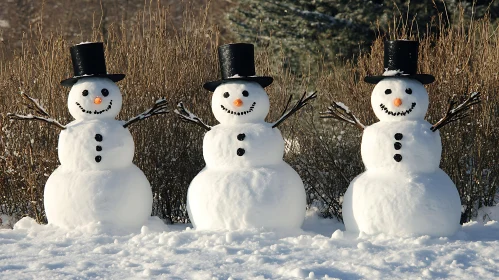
column 226, row 95
column 105, row 92
column 408, row 91
column 84, row 93
column 388, row 91
column 245, row 93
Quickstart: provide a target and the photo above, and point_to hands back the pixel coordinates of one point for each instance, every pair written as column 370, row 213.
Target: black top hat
column 237, row 62
column 88, row 61
column 401, row 60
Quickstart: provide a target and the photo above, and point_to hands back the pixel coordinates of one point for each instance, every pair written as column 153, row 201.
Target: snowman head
column 240, row 102
column 399, row 99
column 94, row 98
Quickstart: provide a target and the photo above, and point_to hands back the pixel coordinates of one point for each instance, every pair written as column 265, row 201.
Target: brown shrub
column 161, row 60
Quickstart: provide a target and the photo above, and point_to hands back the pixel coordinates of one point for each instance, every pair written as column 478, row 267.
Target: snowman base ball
column 402, row 204
column 121, row 197
column 264, row 197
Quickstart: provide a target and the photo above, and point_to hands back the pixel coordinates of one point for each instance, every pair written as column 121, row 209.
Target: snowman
column 246, row 183
column 403, row 191
column 96, row 181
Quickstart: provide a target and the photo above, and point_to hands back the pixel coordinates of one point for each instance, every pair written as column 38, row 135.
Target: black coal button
column 241, row 136
column 98, row 137
column 98, row 158
column 397, row 157
column 98, row 148
column 398, row 136
column 240, row 152
column 397, row 145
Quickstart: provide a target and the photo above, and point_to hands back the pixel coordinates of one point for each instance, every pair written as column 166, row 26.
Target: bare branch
column 287, row 105
column 341, row 112
column 159, row 108
column 300, row 104
column 34, row 105
column 31, row 117
column 186, row 116
column 457, row 113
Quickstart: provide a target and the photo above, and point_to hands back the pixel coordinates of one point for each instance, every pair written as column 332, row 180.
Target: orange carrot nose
column 238, row 103
column 98, row 100
column 397, row 102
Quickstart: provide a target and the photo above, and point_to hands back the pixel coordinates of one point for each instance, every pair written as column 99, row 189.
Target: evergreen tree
column 310, row 29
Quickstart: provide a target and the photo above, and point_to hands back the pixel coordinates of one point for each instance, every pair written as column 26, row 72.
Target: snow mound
column 158, row 251
column 486, row 214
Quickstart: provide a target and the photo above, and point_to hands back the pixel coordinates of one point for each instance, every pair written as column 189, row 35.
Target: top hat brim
column 264, row 81
column 113, row 77
column 422, row 78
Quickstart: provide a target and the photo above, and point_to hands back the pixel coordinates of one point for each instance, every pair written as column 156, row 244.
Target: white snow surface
column 322, row 250
column 121, row 197
column 413, row 105
column 4, row 23
column 263, row 145
column 97, row 180
column 421, row 148
column 77, row 145
column 256, row 189
column 83, row 106
column 403, row 192
column 402, row 204
column 267, row 196
column 489, row 213
column 254, row 107
column 245, row 184
column 393, row 72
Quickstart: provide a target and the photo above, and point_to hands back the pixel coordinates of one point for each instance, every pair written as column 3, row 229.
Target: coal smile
column 406, row 112
column 239, row 113
column 95, row 112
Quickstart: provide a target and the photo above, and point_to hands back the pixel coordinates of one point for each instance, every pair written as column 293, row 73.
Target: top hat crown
column 237, row 62
column 401, row 60
column 89, row 61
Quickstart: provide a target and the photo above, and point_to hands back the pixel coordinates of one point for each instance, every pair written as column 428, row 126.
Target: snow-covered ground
column 321, row 251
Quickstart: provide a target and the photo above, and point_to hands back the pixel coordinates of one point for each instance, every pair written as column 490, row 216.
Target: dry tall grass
column 161, row 60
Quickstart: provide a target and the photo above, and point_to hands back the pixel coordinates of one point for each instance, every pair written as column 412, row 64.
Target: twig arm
column 457, row 113
column 300, row 104
column 34, row 105
column 159, row 108
column 186, row 116
column 32, row 117
column 341, row 112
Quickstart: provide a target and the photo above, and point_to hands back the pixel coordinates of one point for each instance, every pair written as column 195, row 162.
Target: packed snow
column 393, row 72
column 403, row 191
column 245, row 184
column 419, row 147
column 4, row 23
column 403, row 205
column 322, row 250
column 413, row 106
column 97, row 181
column 489, row 213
